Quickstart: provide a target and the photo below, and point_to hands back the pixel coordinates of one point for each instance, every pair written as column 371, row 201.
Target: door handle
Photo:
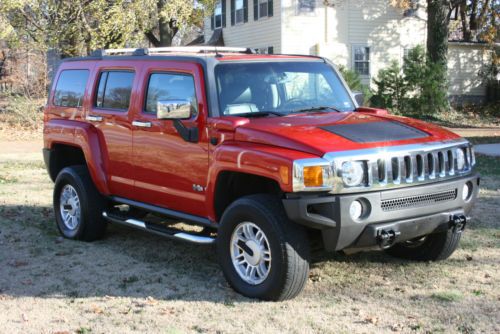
column 141, row 124
column 93, row 118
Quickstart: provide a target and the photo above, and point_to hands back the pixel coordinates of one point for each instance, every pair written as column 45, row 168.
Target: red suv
column 263, row 153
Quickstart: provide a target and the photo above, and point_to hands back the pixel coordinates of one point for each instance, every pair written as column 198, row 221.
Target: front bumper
column 409, row 212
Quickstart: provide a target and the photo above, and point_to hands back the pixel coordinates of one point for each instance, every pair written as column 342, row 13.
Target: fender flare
column 86, row 137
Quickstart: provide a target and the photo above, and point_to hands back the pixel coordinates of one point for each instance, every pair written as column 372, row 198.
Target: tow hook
column 386, row 238
column 458, row 222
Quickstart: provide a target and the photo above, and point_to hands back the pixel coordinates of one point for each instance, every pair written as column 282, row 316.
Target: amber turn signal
column 284, row 174
column 313, row 176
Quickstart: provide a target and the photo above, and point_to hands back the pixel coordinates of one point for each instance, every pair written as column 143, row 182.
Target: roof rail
column 172, row 49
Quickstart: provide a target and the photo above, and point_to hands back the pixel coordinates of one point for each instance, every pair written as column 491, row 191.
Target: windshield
column 280, row 88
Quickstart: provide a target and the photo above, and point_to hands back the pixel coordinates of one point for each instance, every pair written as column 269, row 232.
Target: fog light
column 356, row 210
column 467, row 191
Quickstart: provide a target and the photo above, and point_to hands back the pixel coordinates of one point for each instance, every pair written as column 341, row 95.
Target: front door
column 110, row 112
column 170, row 171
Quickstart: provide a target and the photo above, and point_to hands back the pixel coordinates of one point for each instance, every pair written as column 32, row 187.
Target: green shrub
column 415, row 89
column 391, row 89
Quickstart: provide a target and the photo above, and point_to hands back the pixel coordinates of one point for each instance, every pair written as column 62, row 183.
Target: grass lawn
column 136, row 282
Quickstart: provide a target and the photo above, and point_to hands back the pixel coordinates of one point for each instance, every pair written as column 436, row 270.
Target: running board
column 159, row 229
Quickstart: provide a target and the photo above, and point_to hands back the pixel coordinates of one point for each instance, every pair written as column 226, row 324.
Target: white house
column 364, row 35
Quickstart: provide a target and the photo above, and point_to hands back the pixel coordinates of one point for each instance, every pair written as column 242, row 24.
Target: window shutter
column 255, row 10
column 223, row 13
column 245, row 10
column 212, row 22
column 270, row 8
column 233, row 12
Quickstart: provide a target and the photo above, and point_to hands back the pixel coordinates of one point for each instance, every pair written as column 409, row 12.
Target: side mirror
column 359, row 97
column 173, row 109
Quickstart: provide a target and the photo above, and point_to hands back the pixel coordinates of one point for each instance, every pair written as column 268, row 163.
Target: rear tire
column 435, row 247
column 78, row 205
column 275, row 249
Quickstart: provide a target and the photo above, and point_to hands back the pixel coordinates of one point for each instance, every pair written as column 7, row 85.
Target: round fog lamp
column 460, row 159
column 467, row 191
column 356, row 210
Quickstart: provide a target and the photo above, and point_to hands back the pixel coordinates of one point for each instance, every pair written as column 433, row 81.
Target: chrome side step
column 160, row 230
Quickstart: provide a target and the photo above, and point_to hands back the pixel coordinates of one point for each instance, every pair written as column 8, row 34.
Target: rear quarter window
column 70, row 88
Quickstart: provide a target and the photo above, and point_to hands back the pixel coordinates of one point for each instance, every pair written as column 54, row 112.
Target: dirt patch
column 135, row 282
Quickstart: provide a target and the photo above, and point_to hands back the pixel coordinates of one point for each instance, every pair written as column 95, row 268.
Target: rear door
column 110, row 113
column 170, row 171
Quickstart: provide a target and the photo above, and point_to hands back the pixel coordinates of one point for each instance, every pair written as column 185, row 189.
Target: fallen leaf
column 315, row 277
column 372, row 320
column 468, row 257
column 151, row 301
column 397, row 327
column 61, row 254
column 97, row 310
column 18, row 263
column 61, row 332
column 24, row 316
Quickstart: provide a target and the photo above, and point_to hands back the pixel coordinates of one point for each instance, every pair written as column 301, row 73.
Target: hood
column 319, row 133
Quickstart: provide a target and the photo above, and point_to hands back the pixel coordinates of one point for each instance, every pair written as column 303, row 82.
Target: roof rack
column 174, row 49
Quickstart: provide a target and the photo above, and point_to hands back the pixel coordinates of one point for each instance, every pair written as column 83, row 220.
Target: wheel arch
column 231, row 185
column 69, row 142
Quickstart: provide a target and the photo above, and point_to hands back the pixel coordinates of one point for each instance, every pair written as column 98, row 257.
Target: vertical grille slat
column 452, row 155
column 402, row 170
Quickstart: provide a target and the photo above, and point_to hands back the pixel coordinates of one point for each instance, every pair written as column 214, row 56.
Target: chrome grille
column 406, row 165
column 418, row 201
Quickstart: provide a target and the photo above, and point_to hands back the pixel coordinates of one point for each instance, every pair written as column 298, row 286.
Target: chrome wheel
column 69, row 207
column 250, row 253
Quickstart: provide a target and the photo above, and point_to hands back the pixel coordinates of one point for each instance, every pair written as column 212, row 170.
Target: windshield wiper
column 313, row 109
column 259, row 114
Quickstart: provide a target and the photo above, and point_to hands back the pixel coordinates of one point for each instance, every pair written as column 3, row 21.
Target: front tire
column 432, row 247
column 262, row 254
column 78, row 205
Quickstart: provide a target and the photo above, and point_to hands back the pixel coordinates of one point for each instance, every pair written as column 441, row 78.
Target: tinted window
column 71, row 88
column 114, row 90
column 164, row 86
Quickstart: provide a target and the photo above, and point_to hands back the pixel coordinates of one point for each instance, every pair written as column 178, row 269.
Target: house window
column 239, row 11
column 306, row 7
column 262, row 8
column 362, row 60
column 218, row 15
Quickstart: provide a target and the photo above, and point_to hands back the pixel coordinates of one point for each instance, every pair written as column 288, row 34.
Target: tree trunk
column 166, row 33
column 465, row 27
column 167, row 27
column 437, row 30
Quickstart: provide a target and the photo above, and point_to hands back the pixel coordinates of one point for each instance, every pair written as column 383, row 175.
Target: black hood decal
column 372, row 132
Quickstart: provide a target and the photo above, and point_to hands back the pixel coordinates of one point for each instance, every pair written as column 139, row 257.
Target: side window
column 70, row 88
column 169, row 86
column 115, row 88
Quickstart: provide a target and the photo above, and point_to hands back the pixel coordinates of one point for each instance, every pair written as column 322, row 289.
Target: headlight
column 312, row 175
column 353, row 173
column 460, row 159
